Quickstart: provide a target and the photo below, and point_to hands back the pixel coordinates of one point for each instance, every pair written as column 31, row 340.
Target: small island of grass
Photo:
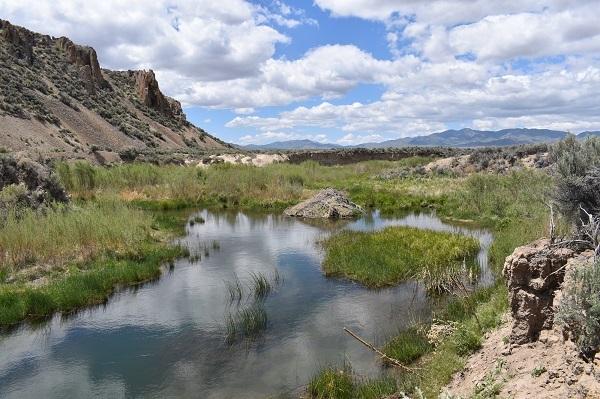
column 396, row 254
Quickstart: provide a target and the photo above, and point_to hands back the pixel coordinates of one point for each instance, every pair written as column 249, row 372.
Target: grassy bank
column 83, row 284
column 240, row 186
column 396, row 254
column 68, row 257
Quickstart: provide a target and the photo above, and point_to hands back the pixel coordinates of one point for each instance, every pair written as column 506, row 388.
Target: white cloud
column 327, row 71
column 204, row 40
column 467, row 62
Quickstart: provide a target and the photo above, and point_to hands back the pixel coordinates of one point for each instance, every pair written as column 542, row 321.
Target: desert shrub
column 40, row 184
column 579, row 309
column 577, row 169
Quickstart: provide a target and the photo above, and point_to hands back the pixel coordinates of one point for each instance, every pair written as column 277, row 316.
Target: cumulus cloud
column 204, row 40
column 478, row 63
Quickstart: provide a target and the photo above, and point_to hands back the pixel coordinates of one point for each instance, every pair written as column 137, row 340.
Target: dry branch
column 383, row 356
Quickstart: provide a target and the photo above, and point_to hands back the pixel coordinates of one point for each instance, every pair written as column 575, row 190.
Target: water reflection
column 168, row 338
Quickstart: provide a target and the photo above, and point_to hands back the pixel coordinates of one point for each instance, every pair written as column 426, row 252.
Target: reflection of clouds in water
column 177, row 323
column 70, row 381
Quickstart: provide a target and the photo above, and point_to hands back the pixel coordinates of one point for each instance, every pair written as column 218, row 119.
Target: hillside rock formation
column 85, row 57
column 57, row 102
column 147, row 89
column 326, row 204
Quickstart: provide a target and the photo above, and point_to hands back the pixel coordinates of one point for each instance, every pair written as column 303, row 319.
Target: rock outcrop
column 21, row 39
column 85, row 57
column 147, row 89
column 328, row 203
column 33, row 184
column 534, row 273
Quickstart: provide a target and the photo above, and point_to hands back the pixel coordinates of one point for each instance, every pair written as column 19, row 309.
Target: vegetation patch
column 395, row 254
column 84, row 284
column 333, row 383
column 408, row 346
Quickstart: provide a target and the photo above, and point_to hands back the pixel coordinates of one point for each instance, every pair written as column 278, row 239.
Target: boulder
column 534, row 273
column 328, row 203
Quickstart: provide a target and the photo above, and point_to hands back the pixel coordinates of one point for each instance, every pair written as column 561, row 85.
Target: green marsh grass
column 61, row 235
column 92, row 284
column 240, row 186
column 248, row 322
column 260, row 285
column 407, row 346
column 395, row 254
column 235, row 290
column 343, row 383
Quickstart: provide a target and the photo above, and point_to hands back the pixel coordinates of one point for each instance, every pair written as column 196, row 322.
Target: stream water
column 167, row 338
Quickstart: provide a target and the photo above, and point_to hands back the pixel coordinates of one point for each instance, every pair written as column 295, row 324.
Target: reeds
column 61, row 235
column 395, row 254
column 248, row 322
column 261, row 286
column 235, row 289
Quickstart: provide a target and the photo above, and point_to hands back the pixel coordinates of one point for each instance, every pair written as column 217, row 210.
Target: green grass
column 272, row 187
column 396, row 254
column 261, row 286
column 407, row 346
column 84, row 285
column 61, row 235
column 248, row 322
column 475, row 315
column 334, row 383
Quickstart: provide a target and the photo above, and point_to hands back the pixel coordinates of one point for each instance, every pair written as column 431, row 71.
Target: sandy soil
column 549, row 368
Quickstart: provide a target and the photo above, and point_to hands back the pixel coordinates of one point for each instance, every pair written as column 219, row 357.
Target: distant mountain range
column 447, row 138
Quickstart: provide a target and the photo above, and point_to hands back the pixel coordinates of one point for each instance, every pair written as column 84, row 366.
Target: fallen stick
column 385, row 357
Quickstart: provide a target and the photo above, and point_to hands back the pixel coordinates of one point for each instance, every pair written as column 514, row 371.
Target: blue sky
column 348, row 71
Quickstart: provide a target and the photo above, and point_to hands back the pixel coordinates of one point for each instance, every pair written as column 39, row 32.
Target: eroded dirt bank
column 532, row 355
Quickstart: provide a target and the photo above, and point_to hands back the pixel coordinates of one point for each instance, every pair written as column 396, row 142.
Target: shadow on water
column 169, row 337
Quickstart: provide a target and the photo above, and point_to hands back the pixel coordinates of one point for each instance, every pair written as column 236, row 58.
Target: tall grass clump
column 396, row 254
column 248, row 322
column 61, row 235
column 407, row 346
column 261, row 286
column 235, row 290
column 343, row 383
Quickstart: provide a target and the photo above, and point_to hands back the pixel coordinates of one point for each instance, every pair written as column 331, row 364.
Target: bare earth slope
column 55, row 99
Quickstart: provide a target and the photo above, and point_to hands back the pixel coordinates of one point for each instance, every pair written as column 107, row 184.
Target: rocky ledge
column 328, row 203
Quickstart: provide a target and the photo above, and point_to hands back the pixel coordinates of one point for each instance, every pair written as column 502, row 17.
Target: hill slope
column 55, row 98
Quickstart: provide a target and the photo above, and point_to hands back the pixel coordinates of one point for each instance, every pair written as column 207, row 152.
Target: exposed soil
column 547, row 368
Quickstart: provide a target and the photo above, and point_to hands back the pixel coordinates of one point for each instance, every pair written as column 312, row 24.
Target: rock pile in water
column 328, row 203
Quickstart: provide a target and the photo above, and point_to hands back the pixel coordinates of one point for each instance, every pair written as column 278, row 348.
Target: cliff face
column 55, row 99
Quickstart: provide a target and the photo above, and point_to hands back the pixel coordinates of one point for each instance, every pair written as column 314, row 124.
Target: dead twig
column 383, row 356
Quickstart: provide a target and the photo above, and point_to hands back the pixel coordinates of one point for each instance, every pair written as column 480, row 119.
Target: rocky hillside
column 55, row 99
